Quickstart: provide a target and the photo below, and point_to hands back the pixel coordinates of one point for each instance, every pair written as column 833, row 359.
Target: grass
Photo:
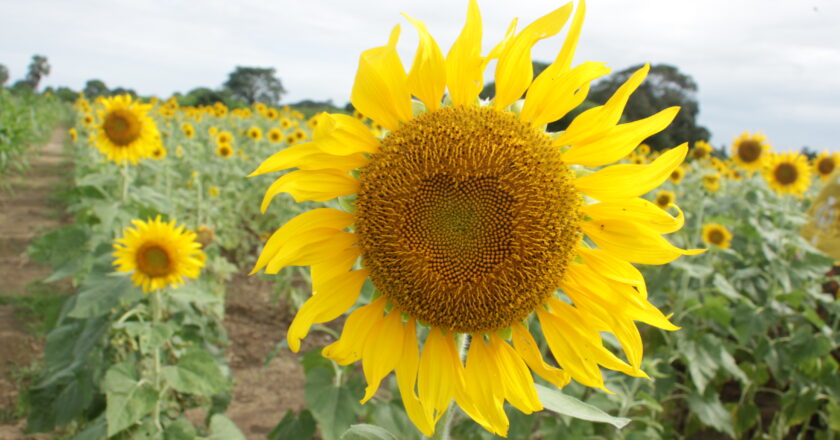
column 38, row 308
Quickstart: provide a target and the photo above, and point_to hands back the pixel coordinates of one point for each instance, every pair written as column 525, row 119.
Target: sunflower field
column 520, row 284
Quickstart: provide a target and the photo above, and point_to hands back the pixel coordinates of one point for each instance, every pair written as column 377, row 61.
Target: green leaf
column 222, row 428
column 334, row 407
column 723, row 286
column 96, row 431
column 300, row 427
column 710, row 411
column 180, row 429
column 196, row 373
column 560, row 403
column 834, row 416
column 363, row 431
column 100, row 293
column 129, row 400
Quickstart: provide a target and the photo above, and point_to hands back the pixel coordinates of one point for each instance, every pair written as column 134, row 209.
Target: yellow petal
column 314, row 246
column 614, row 268
column 380, row 91
column 515, row 70
column 309, row 157
column 348, row 348
column 464, row 65
column 483, row 384
column 528, row 350
column 639, row 211
column 309, row 220
column 569, row 350
column 567, row 53
column 427, row 78
column 407, row 378
column 556, row 91
column 337, row 296
column 619, row 141
column 440, row 373
column 625, row 181
column 343, row 135
column 633, row 242
column 382, row 351
column 514, row 374
column 317, row 185
column 336, row 264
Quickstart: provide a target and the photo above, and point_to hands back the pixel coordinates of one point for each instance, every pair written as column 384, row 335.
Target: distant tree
column 203, row 96
column 253, row 84
column 4, row 75
column 21, row 87
column 38, row 68
column 665, row 86
column 66, row 94
column 123, row 91
column 95, row 88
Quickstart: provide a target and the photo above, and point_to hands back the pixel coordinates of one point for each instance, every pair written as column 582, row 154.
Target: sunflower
column 224, row 138
column 823, row 227
column 825, row 164
column 88, row 120
column 271, row 114
column 677, row 175
column 188, row 130
column 750, row 151
column 224, row 150
column 644, row 149
column 715, row 234
column 213, row 131
column 664, row 199
column 159, row 153
column 701, row 150
column 275, row 135
column 158, row 254
column 788, row 173
column 74, row 135
column 712, row 182
column 285, row 123
column 255, row 133
column 126, row 132
column 467, row 219
column 213, row 191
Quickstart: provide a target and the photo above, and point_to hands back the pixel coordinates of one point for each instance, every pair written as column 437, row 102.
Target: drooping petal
column 309, row 156
column 624, row 181
column 528, row 350
column 314, row 219
column 335, row 298
column 514, row 374
column 464, row 65
column 618, row 141
column 343, row 135
column 555, row 91
column 440, row 373
column 407, row 379
column 633, row 242
column 484, row 387
column 381, row 91
column 382, row 351
column 639, row 211
column 315, row 185
column 515, row 70
column 349, row 347
column 427, row 78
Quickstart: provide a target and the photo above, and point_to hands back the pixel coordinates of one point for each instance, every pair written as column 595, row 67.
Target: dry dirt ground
column 262, row 393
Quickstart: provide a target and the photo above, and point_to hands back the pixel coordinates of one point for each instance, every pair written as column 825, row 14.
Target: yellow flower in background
column 788, row 173
column 255, row 133
column 159, row 254
column 823, row 227
column 750, row 151
column 643, row 149
column 285, row 123
column 88, row 120
column 461, row 245
column 74, row 135
column 126, row 133
column 179, row 152
column 358, row 115
column 213, row 131
column 159, row 153
column 300, row 135
column 224, row 150
column 275, row 135
column 716, row 234
column 224, row 138
column 677, row 175
column 825, row 164
column 188, row 129
column 213, row 191
column 711, row 182
column 701, row 150
column 664, row 199
column 272, row 114
column 637, row 159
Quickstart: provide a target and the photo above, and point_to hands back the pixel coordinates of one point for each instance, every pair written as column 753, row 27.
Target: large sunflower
column 158, row 253
column 825, row 164
column 468, row 217
column 750, row 151
column 788, row 173
column 126, row 132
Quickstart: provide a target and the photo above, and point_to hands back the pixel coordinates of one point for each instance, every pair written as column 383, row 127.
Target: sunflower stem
column 124, row 173
column 156, row 318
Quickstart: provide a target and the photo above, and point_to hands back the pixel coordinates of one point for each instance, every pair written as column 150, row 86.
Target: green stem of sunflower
column 156, row 318
column 124, row 173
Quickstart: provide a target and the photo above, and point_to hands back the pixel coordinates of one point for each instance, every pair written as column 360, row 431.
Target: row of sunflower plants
column 26, row 119
column 160, row 225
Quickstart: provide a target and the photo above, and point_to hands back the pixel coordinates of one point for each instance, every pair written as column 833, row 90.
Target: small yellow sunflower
column 88, row 120
column 158, row 254
column 664, row 199
column 159, row 153
column 712, row 182
column 358, row 115
column 271, row 114
column 823, row 227
column 188, row 130
column 126, row 132
column 275, row 135
column 677, row 175
column 644, row 149
column 224, row 150
column 213, row 131
column 213, row 191
column 285, row 123
column 467, row 219
column 255, row 133
column 300, row 135
column 701, row 150
column 715, row 234
column 74, row 135
column 750, row 151
column 224, row 138
column 788, row 173
column 825, row 164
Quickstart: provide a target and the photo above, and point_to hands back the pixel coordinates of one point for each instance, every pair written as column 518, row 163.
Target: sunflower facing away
column 825, row 164
column 158, row 254
column 788, row 173
column 467, row 219
column 126, row 133
column 750, row 151
column 716, row 234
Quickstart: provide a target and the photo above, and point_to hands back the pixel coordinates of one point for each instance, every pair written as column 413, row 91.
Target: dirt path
column 24, row 213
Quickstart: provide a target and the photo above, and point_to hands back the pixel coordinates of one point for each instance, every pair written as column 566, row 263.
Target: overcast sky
column 761, row 65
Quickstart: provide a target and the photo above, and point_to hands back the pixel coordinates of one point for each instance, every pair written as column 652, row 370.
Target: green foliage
column 4, row 75
column 255, row 84
column 95, row 88
column 300, row 426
